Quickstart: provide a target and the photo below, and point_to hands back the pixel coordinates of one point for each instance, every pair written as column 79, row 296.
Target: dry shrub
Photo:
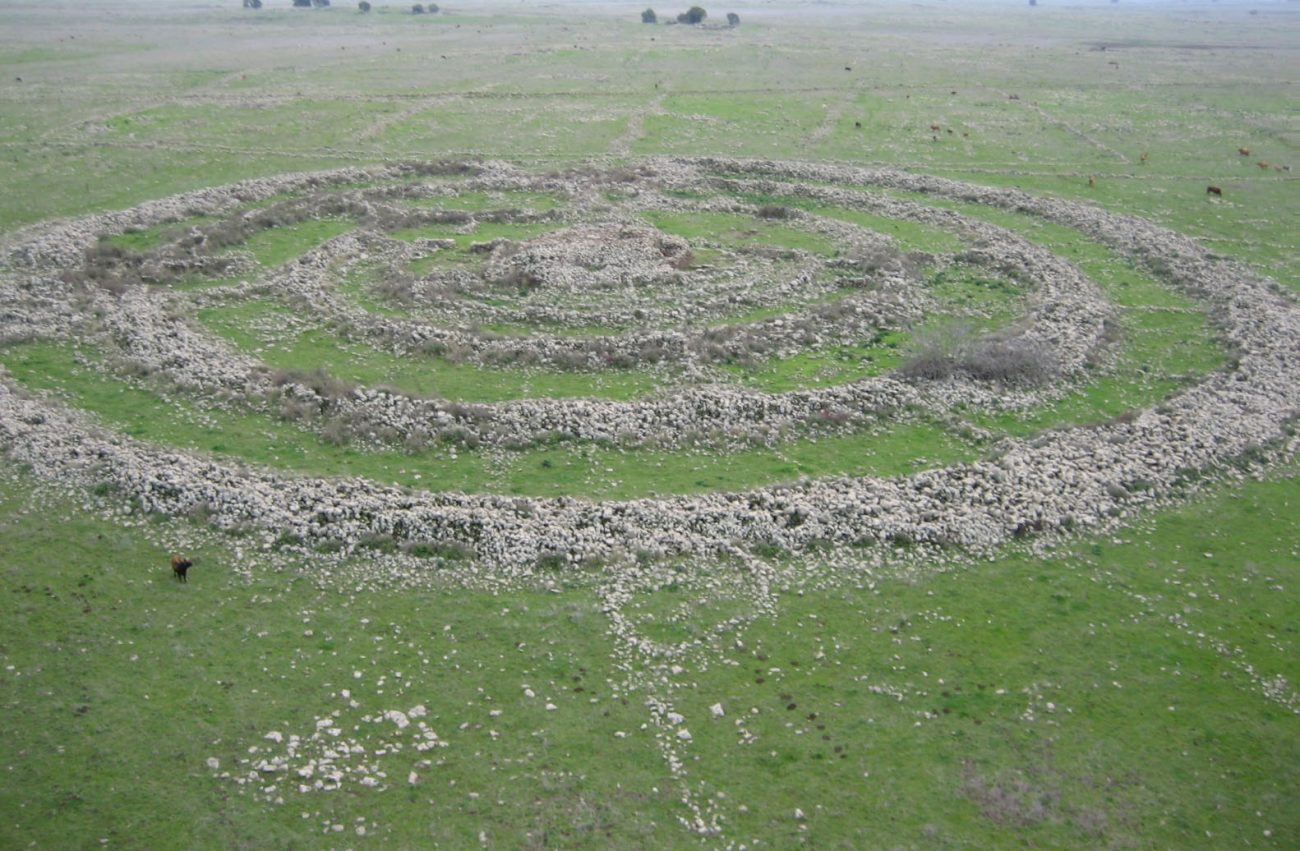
column 328, row 388
column 397, row 287
column 1016, row 800
column 1012, row 361
column 871, row 260
column 956, row 349
column 523, row 280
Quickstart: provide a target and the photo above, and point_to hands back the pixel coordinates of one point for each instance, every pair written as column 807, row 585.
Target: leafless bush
column 523, row 280
column 397, row 287
column 322, row 384
column 568, row 359
column 878, row 258
column 336, row 433
column 1011, row 361
column 955, row 348
column 294, row 410
column 652, row 352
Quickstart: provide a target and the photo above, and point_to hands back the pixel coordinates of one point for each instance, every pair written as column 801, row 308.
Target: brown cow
column 1245, row 152
column 180, row 564
column 1213, row 190
column 1263, row 166
column 1092, row 181
column 1143, row 158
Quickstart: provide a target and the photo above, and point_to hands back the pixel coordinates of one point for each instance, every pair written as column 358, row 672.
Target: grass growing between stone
column 909, row 236
column 603, row 473
column 253, row 327
column 279, row 245
column 826, row 368
column 464, row 237
column 147, row 239
column 246, row 436
column 565, row 470
column 1165, row 352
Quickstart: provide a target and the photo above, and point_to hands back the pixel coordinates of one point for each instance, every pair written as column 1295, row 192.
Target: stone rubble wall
column 1061, row 479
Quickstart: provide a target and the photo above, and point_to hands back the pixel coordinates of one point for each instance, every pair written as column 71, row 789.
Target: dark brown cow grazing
column 180, row 564
column 1245, row 152
column 1213, row 190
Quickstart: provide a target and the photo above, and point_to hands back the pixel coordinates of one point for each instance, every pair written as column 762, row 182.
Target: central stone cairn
column 587, row 257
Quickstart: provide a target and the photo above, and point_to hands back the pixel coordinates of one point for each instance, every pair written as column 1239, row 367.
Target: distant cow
column 180, row 564
column 1092, row 181
column 1213, row 190
column 1245, row 152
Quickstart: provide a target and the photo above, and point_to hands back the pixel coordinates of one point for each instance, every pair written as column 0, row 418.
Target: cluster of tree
column 418, row 9
column 252, row 4
column 693, row 15
column 307, row 4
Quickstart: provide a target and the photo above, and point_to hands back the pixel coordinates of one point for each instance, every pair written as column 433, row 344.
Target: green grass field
column 1133, row 688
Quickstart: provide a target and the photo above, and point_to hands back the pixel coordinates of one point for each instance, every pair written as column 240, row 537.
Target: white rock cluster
column 1060, row 479
column 150, row 332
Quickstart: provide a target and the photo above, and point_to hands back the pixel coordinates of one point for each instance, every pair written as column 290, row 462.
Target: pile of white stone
column 1061, row 479
column 151, row 332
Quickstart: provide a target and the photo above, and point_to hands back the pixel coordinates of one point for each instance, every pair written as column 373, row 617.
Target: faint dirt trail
column 635, row 130
column 88, row 123
column 1072, row 130
column 833, row 115
column 381, row 125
